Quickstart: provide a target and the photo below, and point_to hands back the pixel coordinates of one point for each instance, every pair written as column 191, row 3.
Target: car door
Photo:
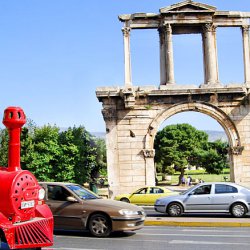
column 139, row 197
column 153, row 193
column 199, row 200
column 224, row 196
column 67, row 214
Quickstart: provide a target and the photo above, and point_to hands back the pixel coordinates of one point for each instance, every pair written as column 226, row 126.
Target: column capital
column 237, row 150
column 126, row 31
column 209, row 27
column 148, row 153
column 245, row 28
column 168, row 28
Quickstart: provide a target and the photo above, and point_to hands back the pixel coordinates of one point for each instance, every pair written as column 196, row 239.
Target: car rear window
column 224, row 189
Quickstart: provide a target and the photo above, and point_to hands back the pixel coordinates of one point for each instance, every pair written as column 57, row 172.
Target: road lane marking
column 243, row 230
column 55, row 248
column 222, row 230
column 206, row 242
column 196, row 235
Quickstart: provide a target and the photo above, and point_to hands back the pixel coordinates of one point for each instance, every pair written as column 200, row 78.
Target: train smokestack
column 14, row 118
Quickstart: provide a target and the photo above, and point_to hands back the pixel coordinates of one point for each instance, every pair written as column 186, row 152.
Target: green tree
column 216, row 158
column 73, row 155
column 4, row 140
column 58, row 156
column 27, row 135
column 101, row 159
column 85, row 162
column 43, row 152
column 175, row 146
column 66, row 160
column 213, row 158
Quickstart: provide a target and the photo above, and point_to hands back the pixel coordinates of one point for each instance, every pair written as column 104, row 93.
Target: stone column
column 110, row 117
column 236, row 162
column 169, row 55
column 127, row 58
column 246, row 53
column 149, row 166
column 163, row 74
column 210, row 54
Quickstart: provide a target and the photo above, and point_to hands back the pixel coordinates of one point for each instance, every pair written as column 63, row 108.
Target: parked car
column 146, row 195
column 77, row 208
column 207, row 198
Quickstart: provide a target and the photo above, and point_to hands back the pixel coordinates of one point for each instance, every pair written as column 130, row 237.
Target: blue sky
column 54, row 54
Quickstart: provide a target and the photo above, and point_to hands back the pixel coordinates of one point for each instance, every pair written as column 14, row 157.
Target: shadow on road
column 78, row 233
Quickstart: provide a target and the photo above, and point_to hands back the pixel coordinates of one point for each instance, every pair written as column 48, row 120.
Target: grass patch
column 195, row 174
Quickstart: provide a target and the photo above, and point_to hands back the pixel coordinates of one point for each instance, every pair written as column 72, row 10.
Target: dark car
column 218, row 197
column 77, row 208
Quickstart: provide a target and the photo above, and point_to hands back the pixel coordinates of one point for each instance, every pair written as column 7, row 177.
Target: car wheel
column 99, row 225
column 125, row 200
column 174, row 209
column 238, row 210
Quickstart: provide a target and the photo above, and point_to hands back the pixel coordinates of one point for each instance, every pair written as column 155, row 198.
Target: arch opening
column 218, row 115
column 212, row 143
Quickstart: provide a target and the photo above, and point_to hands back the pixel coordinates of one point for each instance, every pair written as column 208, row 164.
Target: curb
column 195, row 223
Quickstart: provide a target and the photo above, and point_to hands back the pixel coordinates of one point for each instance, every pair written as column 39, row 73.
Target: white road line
column 196, row 235
column 224, row 231
column 206, row 242
column 244, row 230
column 59, row 248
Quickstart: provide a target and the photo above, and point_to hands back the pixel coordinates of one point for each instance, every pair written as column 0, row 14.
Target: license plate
column 27, row 204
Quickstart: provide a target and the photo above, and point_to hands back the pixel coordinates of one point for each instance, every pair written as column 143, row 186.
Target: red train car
column 26, row 222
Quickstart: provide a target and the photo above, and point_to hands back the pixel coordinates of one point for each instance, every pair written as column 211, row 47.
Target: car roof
column 224, row 183
column 220, row 182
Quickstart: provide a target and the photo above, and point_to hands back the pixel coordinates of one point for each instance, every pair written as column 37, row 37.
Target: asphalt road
column 157, row 237
column 152, row 213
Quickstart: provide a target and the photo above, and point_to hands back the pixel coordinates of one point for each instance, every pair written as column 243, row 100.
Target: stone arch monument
column 133, row 114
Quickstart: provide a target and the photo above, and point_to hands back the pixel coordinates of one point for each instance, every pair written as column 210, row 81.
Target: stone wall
column 134, row 114
column 131, row 129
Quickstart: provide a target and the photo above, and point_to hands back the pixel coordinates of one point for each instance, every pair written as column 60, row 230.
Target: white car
column 219, row 197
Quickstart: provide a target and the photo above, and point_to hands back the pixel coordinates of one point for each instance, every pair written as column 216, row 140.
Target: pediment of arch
column 188, row 6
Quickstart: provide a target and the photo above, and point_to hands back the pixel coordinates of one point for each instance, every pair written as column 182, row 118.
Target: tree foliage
column 178, row 146
column 4, row 147
column 215, row 158
column 53, row 155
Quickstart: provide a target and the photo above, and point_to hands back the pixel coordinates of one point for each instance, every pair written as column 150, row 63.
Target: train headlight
column 41, row 194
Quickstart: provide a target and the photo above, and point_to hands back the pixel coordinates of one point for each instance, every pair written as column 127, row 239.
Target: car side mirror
column 71, row 199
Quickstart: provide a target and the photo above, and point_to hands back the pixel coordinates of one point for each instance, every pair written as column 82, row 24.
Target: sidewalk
column 197, row 221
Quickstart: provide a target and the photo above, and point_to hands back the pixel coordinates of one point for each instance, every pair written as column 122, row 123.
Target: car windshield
column 187, row 191
column 82, row 192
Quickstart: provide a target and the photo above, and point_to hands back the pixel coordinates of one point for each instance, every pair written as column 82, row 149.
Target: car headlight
column 127, row 212
column 41, row 194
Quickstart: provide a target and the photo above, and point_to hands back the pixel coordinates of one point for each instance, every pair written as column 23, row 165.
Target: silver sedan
column 219, row 197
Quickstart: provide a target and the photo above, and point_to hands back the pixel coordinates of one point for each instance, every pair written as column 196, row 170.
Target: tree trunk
column 181, row 176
